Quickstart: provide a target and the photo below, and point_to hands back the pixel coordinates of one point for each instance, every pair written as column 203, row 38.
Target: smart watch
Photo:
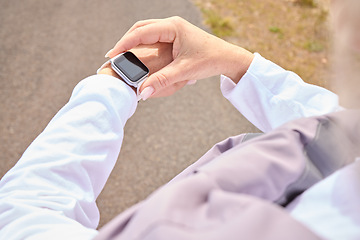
column 130, row 69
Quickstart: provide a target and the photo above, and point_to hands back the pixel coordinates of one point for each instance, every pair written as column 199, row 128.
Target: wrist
column 238, row 61
column 107, row 70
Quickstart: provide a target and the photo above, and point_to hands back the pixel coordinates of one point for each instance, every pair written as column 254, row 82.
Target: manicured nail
column 107, row 54
column 191, row 82
column 146, row 93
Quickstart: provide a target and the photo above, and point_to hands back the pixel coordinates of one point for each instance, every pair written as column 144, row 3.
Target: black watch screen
column 131, row 66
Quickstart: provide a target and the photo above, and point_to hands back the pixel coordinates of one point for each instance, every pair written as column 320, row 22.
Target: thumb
column 165, row 77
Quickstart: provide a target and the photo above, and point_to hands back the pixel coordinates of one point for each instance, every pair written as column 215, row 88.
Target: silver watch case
column 137, row 83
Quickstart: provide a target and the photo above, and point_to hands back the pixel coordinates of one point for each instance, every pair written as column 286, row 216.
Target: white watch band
column 138, row 88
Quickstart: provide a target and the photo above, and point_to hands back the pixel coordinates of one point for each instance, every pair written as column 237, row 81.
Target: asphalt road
column 47, row 47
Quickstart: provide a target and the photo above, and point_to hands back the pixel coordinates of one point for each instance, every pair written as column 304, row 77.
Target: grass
column 291, row 33
column 314, row 46
column 220, row 26
column 277, row 30
column 307, row 3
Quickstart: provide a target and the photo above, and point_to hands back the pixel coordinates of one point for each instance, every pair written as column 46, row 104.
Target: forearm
column 63, row 171
column 270, row 96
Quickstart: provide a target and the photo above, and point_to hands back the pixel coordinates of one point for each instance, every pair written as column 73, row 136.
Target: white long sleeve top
column 50, row 193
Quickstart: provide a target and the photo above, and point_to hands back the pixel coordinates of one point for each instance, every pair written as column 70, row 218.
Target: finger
column 162, row 31
column 135, row 26
column 177, row 71
column 169, row 90
column 142, row 23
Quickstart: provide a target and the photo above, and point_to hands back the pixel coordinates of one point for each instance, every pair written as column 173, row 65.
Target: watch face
column 131, row 66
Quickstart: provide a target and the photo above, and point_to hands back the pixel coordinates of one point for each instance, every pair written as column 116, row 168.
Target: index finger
column 162, row 31
column 142, row 23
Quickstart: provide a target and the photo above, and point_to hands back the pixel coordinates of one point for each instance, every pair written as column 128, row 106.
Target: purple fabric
column 233, row 190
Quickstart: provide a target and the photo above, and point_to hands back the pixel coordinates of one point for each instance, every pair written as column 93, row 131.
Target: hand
column 154, row 56
column 196, row 54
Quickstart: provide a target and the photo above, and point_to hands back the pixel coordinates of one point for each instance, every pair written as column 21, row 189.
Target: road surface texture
column 47, row 47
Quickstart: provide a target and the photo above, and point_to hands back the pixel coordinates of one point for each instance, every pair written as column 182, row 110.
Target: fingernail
column 191, row 82
column 146, row 93
column 107, row 54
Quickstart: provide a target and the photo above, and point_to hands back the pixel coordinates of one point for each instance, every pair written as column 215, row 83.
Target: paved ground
column 47, row 47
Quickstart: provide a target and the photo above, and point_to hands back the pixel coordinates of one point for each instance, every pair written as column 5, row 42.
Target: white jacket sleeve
column 50, row 193
column 269, row 96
